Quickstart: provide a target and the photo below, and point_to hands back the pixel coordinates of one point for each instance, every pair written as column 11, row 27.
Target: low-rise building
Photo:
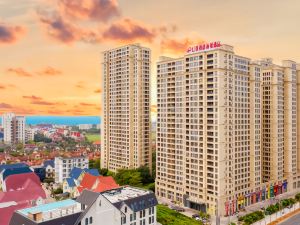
column 50, row 168
column 125, row 205
column 23, row 191
column 85, row 126
column 64, row 165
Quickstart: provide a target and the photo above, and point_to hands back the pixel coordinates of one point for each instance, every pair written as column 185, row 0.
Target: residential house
column 24, row 190
column 124, row 205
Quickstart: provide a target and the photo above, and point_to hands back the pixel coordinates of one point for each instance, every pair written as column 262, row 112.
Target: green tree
column 297, row 197
column 104, row 172
column 145, row 174
column 128, row 177
column 20, row 147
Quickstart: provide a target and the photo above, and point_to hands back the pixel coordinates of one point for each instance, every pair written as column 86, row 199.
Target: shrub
column 252, row 217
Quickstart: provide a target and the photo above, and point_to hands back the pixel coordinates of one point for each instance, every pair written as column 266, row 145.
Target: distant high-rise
column 226, row 129
column 126, row 108
column 14, row 128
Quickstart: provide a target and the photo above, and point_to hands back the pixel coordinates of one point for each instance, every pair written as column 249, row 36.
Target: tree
column 104, row 172
column 20, row 146
column 145, row 174
column 128, row 177
column 297, row 197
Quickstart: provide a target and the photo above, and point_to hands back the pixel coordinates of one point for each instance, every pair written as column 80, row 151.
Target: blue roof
column 71, row 182
column 75, row 173
column 13, row 171
column 12, row 166
column 48, row 207
column 49, row 162
column 93, row 172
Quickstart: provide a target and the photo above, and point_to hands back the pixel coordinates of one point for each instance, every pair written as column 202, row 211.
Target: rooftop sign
column 203, row 47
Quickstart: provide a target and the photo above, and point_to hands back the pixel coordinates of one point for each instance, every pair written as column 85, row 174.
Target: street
column 294, row 220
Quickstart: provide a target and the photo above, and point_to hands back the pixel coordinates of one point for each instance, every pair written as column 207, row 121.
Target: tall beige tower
column 226, row 129
column 125, row 132
column 279, row 84
column 14, row 128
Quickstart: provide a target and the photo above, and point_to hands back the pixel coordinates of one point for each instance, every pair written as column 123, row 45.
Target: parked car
column 177, row 208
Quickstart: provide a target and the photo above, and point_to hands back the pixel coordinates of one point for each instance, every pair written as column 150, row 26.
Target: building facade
column 64, row 165
column 125, row 205
column 29, row 134
column 226, row 129
column 126, row 108
column 13, row 128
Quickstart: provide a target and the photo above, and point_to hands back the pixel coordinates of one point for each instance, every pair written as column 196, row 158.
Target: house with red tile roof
column 95, row 183
column 21, row 181
column 105, row 184
column 24, row 192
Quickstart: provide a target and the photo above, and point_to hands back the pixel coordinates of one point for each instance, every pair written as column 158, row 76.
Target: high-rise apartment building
column 126, row 108
column 226, row 129
column 14, row 128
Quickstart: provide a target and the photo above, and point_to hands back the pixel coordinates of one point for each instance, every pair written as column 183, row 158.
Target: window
column 100, row 203
column 125, row 209
column 86, row 221
column 91, row 220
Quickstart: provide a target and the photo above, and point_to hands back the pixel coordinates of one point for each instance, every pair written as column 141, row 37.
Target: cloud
column 5, row 106
column 55, row 112
column 129, row 30
column 32, row 97
column 87, row 104
column 35, row 100
column 80, row 85
column 100, row 10
column 179, row 46
column 58, row 28
column 19, row 72
column 98, row 90
column 50, row 71
column 10, row 34
column 61, row 30
column 76, row 112
column 2, row 87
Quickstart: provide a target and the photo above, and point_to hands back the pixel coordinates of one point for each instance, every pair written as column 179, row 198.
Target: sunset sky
column 50, row 50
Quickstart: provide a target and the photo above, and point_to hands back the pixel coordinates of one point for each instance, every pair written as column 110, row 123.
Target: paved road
column 295, row 220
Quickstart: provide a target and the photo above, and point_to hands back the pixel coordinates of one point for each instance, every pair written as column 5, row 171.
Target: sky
column 50, row 50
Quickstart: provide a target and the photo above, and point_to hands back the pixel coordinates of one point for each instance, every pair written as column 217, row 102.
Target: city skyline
column 51, row 50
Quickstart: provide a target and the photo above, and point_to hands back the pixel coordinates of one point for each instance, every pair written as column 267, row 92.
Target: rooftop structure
column 52, row 210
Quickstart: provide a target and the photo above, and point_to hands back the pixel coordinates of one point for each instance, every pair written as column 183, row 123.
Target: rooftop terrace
column 124, row 193
column 52, row 210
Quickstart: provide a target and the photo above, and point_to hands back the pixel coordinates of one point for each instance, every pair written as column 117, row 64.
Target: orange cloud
column 179, row 46
column 86, row 104
column 19, row 72
column 80, row 85
column 10, row 34
column 50, row 71
column 76, row 112
column 2, row 87
column 129, row 30
column 98, row 91
column 35, row 100
column 102, row 10
column 5, row 106
column 32, row 97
